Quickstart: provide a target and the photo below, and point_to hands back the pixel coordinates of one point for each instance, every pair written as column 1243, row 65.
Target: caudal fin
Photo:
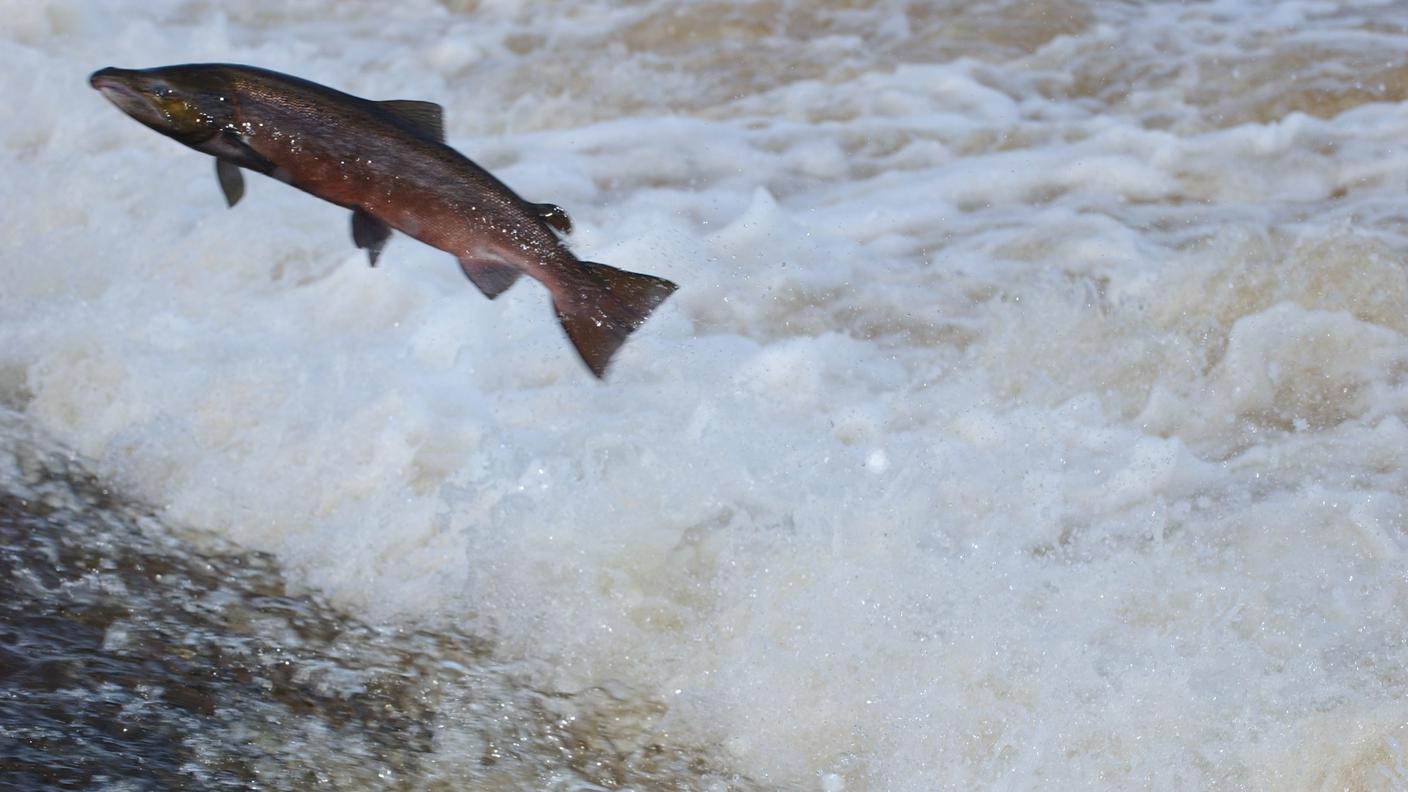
column 601, row 314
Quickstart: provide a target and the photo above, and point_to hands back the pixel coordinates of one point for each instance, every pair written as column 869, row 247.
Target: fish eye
column 162, row 92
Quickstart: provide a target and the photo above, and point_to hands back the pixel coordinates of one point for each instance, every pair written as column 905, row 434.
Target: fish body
column 389, row 164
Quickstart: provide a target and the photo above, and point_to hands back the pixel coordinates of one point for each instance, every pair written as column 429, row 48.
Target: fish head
column 188, row 103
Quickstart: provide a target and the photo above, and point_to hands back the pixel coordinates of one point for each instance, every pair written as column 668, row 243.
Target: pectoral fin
column 370, row 233
column 231, row 182
column 492, row 277
column 554, row 215
column 228, row 147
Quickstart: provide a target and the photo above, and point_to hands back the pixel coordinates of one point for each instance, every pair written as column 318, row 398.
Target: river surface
column 1031, row 414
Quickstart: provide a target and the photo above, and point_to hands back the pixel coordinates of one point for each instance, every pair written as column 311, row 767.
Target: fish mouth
column 116, row 85
column 111, row 79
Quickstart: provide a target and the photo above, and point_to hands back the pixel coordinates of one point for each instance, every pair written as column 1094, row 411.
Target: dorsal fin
column 427, row 117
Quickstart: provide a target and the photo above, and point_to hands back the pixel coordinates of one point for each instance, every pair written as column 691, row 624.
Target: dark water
column 131, row 660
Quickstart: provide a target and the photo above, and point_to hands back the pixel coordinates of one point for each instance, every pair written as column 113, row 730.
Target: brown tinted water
column 131, row 660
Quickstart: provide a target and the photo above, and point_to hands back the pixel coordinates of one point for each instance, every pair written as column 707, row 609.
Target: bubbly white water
column 1031, row 415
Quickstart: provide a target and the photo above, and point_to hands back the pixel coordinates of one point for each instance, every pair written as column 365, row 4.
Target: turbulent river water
column 1031, row 413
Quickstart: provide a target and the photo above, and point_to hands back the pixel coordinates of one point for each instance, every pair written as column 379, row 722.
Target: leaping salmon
column 388, row 163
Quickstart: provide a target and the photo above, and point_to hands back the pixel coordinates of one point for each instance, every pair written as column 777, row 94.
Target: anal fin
column 231, row 181
column 492, row 277
column 370, row 233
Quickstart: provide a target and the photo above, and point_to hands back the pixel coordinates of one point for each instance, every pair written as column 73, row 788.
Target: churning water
column 1031, row 413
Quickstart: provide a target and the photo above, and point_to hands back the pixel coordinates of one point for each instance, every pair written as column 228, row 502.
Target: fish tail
column 605, row 307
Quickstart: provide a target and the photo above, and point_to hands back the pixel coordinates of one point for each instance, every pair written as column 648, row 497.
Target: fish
column 388, row 162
